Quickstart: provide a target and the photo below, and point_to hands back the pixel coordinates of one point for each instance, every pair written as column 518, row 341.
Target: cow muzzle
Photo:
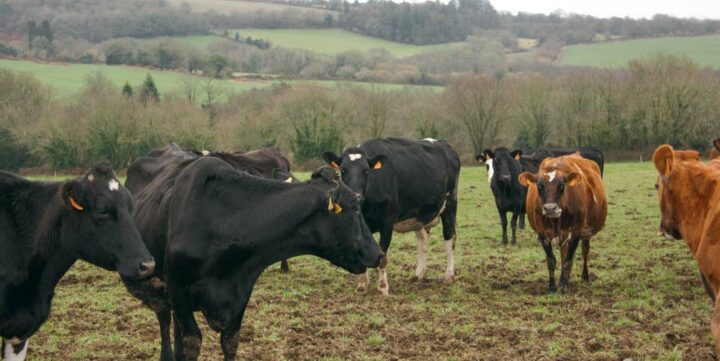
column 145, row 268
column 551, row 210
column 504, row 178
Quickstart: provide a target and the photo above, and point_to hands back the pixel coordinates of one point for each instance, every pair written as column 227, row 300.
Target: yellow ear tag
column 377, row 165
column 75, row 204
column 337, row 209
column 517, row 156
column 331, row 206
column 334, row 165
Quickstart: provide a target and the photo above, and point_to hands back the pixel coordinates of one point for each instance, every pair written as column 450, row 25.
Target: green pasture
column 645, row 300
column 705, row 50
column 333, row 41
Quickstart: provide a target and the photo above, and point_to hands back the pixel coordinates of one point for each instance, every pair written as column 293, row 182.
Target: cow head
column 551, row 185
column 486, row 158
column 665, row 159
column 100, row 227
column 344, row 237
column 355, row 167
column 502, row 164
column 715, row 151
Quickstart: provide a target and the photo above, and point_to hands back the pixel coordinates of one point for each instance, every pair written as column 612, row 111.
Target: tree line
column 626, row 113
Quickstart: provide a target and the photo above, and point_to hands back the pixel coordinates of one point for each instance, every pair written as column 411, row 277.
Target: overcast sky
column 607, row 8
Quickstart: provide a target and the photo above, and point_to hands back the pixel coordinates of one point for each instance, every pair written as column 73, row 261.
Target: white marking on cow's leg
column 363, row 281
column 10, row 355
column 383, row 286
column 551, row 176
column 422, row 238
column 450, row 268
column 354, row 156
column 491, row 170
column 113, row 185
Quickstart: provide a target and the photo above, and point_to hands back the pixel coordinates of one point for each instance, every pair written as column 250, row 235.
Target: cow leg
column 708, row 289
column 585, row 254
column 513, row 226
column 715, row 325
column 449, row 222
column 165, row 346
column 522, row 220
column 363, row 281
column 189, row 337
column 385, row 238
column 551, row 262
column 423, row 238
column 567, row 264
column 230, row 337
column 504, row 223
column 284, row 266
column 14, row 349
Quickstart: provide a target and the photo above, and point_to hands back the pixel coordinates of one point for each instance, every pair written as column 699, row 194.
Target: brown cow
column 689, row 193
column 566, row 200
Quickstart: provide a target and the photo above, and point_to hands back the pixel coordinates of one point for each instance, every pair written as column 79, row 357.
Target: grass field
column 230, row 6
column 645, row 301
column 705, row 50
column 198, row 41
column 333, row 41
column 67, row 79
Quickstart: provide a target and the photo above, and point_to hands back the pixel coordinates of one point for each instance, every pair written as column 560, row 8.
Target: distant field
column 333, row 41
column 229, row 6
column 705, row 50
column 67, row 79
column 198, row 41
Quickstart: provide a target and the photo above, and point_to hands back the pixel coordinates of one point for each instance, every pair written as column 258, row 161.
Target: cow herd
column 192, row 231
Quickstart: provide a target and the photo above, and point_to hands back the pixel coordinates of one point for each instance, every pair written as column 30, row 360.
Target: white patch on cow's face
column 431, row 140
column 205, row 152
column 10, row 354
column 490, row 168
column 289, row 180
column 113, row 185
column 354, row 156
column 91, row 178
column 551, row 176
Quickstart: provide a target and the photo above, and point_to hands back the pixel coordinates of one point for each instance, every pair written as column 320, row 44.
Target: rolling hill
column 705, row 50
column 333, row 41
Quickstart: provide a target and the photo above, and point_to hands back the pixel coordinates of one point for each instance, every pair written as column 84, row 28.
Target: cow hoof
column 449, row 279
column 564, row 289
column 552, row 289
column 384, row 291
column 586, row 278
column 361, row 288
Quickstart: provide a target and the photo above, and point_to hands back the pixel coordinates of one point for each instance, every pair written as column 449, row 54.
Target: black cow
column 214, row 229
column 144, row 169
column 261, row 162
column 508, row 192
column 44, row 229
column 404, row 185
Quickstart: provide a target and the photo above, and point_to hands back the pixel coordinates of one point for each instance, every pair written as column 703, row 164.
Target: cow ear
column 663, row 158
column 333, row 206
column 488, row 154
column 716, row 144
column 517, row 153
column 480, row 158
column 378, row 162
column 332, row 159
column 526, row 178
column 73, row 196
column 572, row 179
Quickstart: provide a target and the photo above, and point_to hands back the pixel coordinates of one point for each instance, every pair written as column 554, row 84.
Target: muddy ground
column 645, row 299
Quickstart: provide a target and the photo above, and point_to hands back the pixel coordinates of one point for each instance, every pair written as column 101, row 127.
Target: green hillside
column 230, row 6
column 705, row 50
column 333, row 41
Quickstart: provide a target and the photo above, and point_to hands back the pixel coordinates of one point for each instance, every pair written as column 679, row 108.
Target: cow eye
column 103, row 214
column 366, row 171
column 657, row 186
column 561, row 186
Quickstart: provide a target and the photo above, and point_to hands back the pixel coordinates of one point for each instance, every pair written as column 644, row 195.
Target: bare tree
column 480, row 104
